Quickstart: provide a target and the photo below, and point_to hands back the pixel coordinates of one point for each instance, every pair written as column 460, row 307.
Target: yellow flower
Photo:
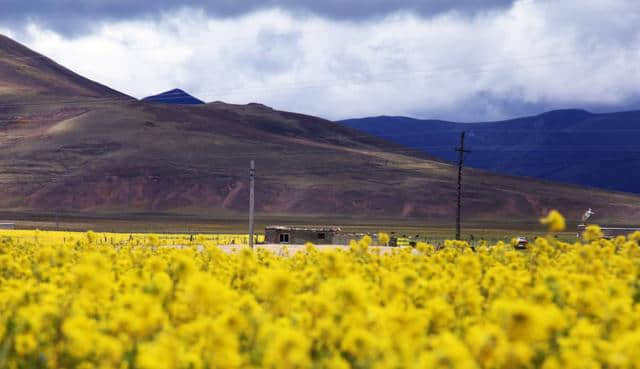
column 447, row 352
column 357, row 342
column 108, row 349
column 161, row 353
column 383, row 238
column 526, row 321
column 25, row 344
column 79, row 330
column 488, row 344
column 592, row 233
column 74, row 300
column 555, row 221
column 288, row 349
column 162, row 284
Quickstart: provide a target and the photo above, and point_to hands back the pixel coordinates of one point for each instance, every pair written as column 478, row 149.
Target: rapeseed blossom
column 383, row 238
column 592, row 233
column 555, row 221
column 98, row 301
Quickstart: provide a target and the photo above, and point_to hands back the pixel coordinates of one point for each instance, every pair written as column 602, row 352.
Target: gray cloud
column 72, row 17
column 533, row 56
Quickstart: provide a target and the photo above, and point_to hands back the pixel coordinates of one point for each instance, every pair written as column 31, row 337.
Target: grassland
column 430, row 232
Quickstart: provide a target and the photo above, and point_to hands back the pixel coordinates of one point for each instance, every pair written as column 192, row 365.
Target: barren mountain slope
column 27, row 74
column 96, row 151
column 570, row 146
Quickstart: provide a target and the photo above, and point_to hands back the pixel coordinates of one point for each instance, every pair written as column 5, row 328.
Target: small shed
column 319, row 235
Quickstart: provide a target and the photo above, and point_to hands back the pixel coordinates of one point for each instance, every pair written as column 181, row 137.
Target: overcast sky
column 468, row 60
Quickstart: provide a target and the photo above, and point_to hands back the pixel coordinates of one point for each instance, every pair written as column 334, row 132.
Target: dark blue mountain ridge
column 571, row 146
column 175, row 96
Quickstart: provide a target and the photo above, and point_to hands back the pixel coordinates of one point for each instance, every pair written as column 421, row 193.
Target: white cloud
column 7, row 32
column 537, row 54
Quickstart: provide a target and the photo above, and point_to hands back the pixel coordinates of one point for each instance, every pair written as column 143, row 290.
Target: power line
column 480, row 68
column 388, row 77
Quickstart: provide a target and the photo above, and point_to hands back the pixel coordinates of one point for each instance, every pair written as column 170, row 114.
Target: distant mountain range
column 571, row 146
column 68, row 144
column 175, row 96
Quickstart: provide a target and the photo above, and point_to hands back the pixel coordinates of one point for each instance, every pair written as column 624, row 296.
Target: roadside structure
column 319, row 235
column 322, row 235
column 607, row 232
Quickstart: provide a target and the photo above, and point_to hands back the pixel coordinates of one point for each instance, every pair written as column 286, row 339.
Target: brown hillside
column 27, row 74
column 70, row 144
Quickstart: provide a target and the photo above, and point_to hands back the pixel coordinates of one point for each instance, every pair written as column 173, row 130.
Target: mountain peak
column 567, row 113
column 26, row 73
column 174, row 96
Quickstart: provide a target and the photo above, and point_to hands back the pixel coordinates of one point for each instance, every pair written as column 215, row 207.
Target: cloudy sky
column 468, row 60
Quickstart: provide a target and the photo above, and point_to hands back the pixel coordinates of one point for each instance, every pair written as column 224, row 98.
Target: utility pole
column 252, row 180
column 461, row 152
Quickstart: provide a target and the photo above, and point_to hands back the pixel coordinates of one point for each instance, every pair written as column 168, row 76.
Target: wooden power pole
column 461, row 152
column 252, row 180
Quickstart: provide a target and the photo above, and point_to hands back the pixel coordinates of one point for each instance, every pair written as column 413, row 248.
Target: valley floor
column 415, row 229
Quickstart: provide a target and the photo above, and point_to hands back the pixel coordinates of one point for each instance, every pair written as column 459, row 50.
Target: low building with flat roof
column 318, row 235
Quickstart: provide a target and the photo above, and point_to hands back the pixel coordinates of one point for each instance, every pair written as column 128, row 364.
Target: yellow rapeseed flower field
column 50, row 238
column 87, row 301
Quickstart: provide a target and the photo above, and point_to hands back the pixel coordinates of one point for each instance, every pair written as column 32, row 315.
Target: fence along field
column 131, row 239
column 434, row 237
column 81, row 302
